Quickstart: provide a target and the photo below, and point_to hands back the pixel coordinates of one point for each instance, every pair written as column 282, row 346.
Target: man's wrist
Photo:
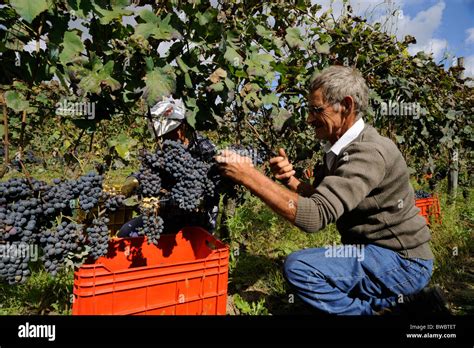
column 292, row 183
column 248, row 177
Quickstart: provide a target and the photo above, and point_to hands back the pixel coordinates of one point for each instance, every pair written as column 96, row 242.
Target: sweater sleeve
column 360, row 168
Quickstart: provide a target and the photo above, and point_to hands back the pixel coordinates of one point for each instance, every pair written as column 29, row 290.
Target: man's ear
column 347, row 105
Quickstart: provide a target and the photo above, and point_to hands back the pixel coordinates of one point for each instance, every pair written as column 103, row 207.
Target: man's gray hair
column 337, row 82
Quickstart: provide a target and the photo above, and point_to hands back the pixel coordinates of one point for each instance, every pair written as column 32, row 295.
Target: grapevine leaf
column 108, row 16
column 293, row 38
column 16, row 101
column 322, row 48
column 232, row 56
column 99, row 77
column 72, row 47
column 160, row 82
column 28, row 9
column 131, row 201
column 156, row 27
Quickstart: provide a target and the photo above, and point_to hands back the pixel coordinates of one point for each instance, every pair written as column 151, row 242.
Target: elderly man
column 363, row 187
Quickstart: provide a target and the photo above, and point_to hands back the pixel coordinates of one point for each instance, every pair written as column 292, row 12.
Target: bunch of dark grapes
column 90, row 187
column 14, row 189
column 152, row 225
column 98, row 237
column 56, row 198
column 152, row 160
column 18, row 221
column 113, row 203
column 187, row 194
column 149, row 174
column 58, row 242
column 422, row 194
column 150, row 182
column 177, row 159
column 14, row 262
column 193, row 183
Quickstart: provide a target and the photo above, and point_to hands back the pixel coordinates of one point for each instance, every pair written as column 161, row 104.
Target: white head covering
column 167, row 115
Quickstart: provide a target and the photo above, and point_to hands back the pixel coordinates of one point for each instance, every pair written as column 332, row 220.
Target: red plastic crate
column 186, row 274
column 429, row 207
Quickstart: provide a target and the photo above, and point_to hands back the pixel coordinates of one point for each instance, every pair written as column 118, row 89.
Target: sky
column 442, row 28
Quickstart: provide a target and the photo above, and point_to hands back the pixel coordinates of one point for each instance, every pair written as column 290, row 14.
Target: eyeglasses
column 316, row 110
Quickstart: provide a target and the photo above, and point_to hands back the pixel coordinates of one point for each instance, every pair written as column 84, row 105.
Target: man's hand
column 234, row 166
column 281, row 168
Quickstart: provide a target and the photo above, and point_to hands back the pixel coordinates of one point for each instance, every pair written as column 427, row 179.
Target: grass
column 40, row 294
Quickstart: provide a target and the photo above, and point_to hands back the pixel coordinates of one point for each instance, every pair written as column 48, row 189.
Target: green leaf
column 122, row 144
column 206, row 17
column 155, row 27
column 187, row 80
column 280, row 119
column 108, row 16
column 182, row 65
column 72, row 47
column 233, row 57
column 99, row 77
column 16, row 101
column 269, row 99
column 131, row 201
column 293, row 38
column 400, row 139
column 29, row 9
column 259, row 64
column 263, row 32
column 217, row 87
column 161, row 82
column 322, row 48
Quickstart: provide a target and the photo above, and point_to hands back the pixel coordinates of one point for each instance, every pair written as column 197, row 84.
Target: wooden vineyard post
column 5, row 130
column 453, row 174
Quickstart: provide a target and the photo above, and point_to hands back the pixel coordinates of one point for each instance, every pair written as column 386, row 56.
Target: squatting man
column 362, row 186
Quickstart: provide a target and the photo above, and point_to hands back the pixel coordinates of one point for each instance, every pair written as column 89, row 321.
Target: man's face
column 328, row 122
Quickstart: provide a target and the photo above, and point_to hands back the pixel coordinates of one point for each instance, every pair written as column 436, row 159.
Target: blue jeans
column 354, row 285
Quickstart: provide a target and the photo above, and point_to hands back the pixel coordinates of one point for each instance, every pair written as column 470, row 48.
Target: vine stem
column 5, row 139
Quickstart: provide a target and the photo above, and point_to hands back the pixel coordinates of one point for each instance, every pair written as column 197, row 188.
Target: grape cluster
column 193, row 184
column 18, row 221
column 98, row 237
column 152, row 226
column 149, row 174
column 58, row 242
column 112, row 203
column 14, row 262
column 14, row 189
column 422, row 194
column 28, row 210
column 150, row 182
column 90, row 187
column 56, row 198
column 152, row 160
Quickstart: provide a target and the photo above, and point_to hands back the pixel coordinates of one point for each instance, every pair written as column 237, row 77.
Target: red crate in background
column 186, row 274
column 429, row 207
